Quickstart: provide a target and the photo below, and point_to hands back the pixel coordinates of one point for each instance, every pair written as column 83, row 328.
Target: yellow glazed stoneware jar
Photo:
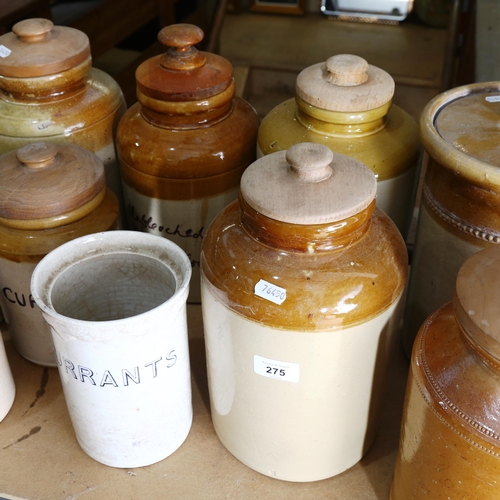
column 301, row 281
column 50, row 92
column 346, row 104
column 450, row 435
column 185, row 144
column 49, row 194
column 460, row 198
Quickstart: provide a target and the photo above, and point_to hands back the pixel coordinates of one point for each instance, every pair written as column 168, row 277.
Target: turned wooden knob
column 180, row 40
column 33, row 30
column 37, row 155
column 310, row 161
column 346, row 70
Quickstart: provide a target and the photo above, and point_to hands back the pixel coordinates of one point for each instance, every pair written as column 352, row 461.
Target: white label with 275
column 278, row 370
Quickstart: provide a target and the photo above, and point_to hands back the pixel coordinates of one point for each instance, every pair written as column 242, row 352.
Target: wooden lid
column 345, row 83
column 36, row 47
column 308, row 184
column 43, row 180
column 477, row 298
column 183, row 73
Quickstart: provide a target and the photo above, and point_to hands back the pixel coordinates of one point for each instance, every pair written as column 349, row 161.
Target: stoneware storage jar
column 346, row 104
column 49, row 194
column 7, row 386
column 185, row 144
column 50, row 92
column 450, row 435
column 116, row 305
column 301, row 280
column 460, row 197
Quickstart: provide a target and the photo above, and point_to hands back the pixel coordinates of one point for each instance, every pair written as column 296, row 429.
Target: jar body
column 391, row 151
column 7, row 386
column 279, row 373
column 86, row 116
column 176, row 181
column 456, row 220
column 449, row 443
column 20, row 252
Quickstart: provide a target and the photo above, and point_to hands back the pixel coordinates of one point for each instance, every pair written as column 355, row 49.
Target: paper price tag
column 270, row 292
column 493, row 98
column 4, row 51
column 278, row 370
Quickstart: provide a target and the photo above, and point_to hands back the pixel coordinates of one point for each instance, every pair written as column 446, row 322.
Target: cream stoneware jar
column 460, row 198
column 184, row 145
column 301, row 282
column 49, row 194
column 116, row 306
column 50, row 92
column 346, row 104
column 450, row 434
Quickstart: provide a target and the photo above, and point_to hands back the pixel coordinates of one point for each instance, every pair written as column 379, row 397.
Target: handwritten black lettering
column 16, row 298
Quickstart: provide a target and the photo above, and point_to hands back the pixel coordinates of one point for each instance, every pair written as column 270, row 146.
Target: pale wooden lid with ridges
column 477, row 298
column 345, row 83
column 43, row 180
column 308, row 184
column 38, row 48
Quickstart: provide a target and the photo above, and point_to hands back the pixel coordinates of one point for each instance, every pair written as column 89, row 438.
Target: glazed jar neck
column 483, row 345
column 305, row 238
column 187, row 114
column 341, row 124
column 46, row 88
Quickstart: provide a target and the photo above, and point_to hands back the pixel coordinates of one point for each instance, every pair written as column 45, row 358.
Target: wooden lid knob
column 43, row 180
column 345, row 83
column 477, row 298
column 33, row 30
column 308, row 184
column 37, row 155
column 38, row 48
column 181, row 55
column 346, row 70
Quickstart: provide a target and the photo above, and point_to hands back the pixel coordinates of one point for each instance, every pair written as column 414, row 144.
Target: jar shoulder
column 223, row 146
column 324, row 290
column 394, row 147
column 101, row 99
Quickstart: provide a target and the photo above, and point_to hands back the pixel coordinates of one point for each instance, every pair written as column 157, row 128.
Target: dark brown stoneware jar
column 184, row 146
column 450, row 435
column 50, row 92
column 49, row 194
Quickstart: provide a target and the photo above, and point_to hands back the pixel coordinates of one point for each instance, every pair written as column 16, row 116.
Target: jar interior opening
column 111, row 287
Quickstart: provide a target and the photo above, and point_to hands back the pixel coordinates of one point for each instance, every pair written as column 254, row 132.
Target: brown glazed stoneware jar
column 460, row 197
column 185, row 144
column 49, row 194
column 50, row 92
column 450, row 435
column 346, row 104
column 301, row 281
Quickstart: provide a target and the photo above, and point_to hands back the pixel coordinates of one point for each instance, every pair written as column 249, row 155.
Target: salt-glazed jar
column 184, row 145
column 450, row 434
column 460, row 197
column 346, row 104
column 50, row 92
column 301, row 281
column 49, row 194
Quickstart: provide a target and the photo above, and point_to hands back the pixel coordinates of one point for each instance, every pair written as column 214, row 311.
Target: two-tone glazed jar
column 460, row 197
column 184, row 145
column 301, row 281
column 346, row 104
column 50, row 92
column 49, row 194
column 450, row 434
